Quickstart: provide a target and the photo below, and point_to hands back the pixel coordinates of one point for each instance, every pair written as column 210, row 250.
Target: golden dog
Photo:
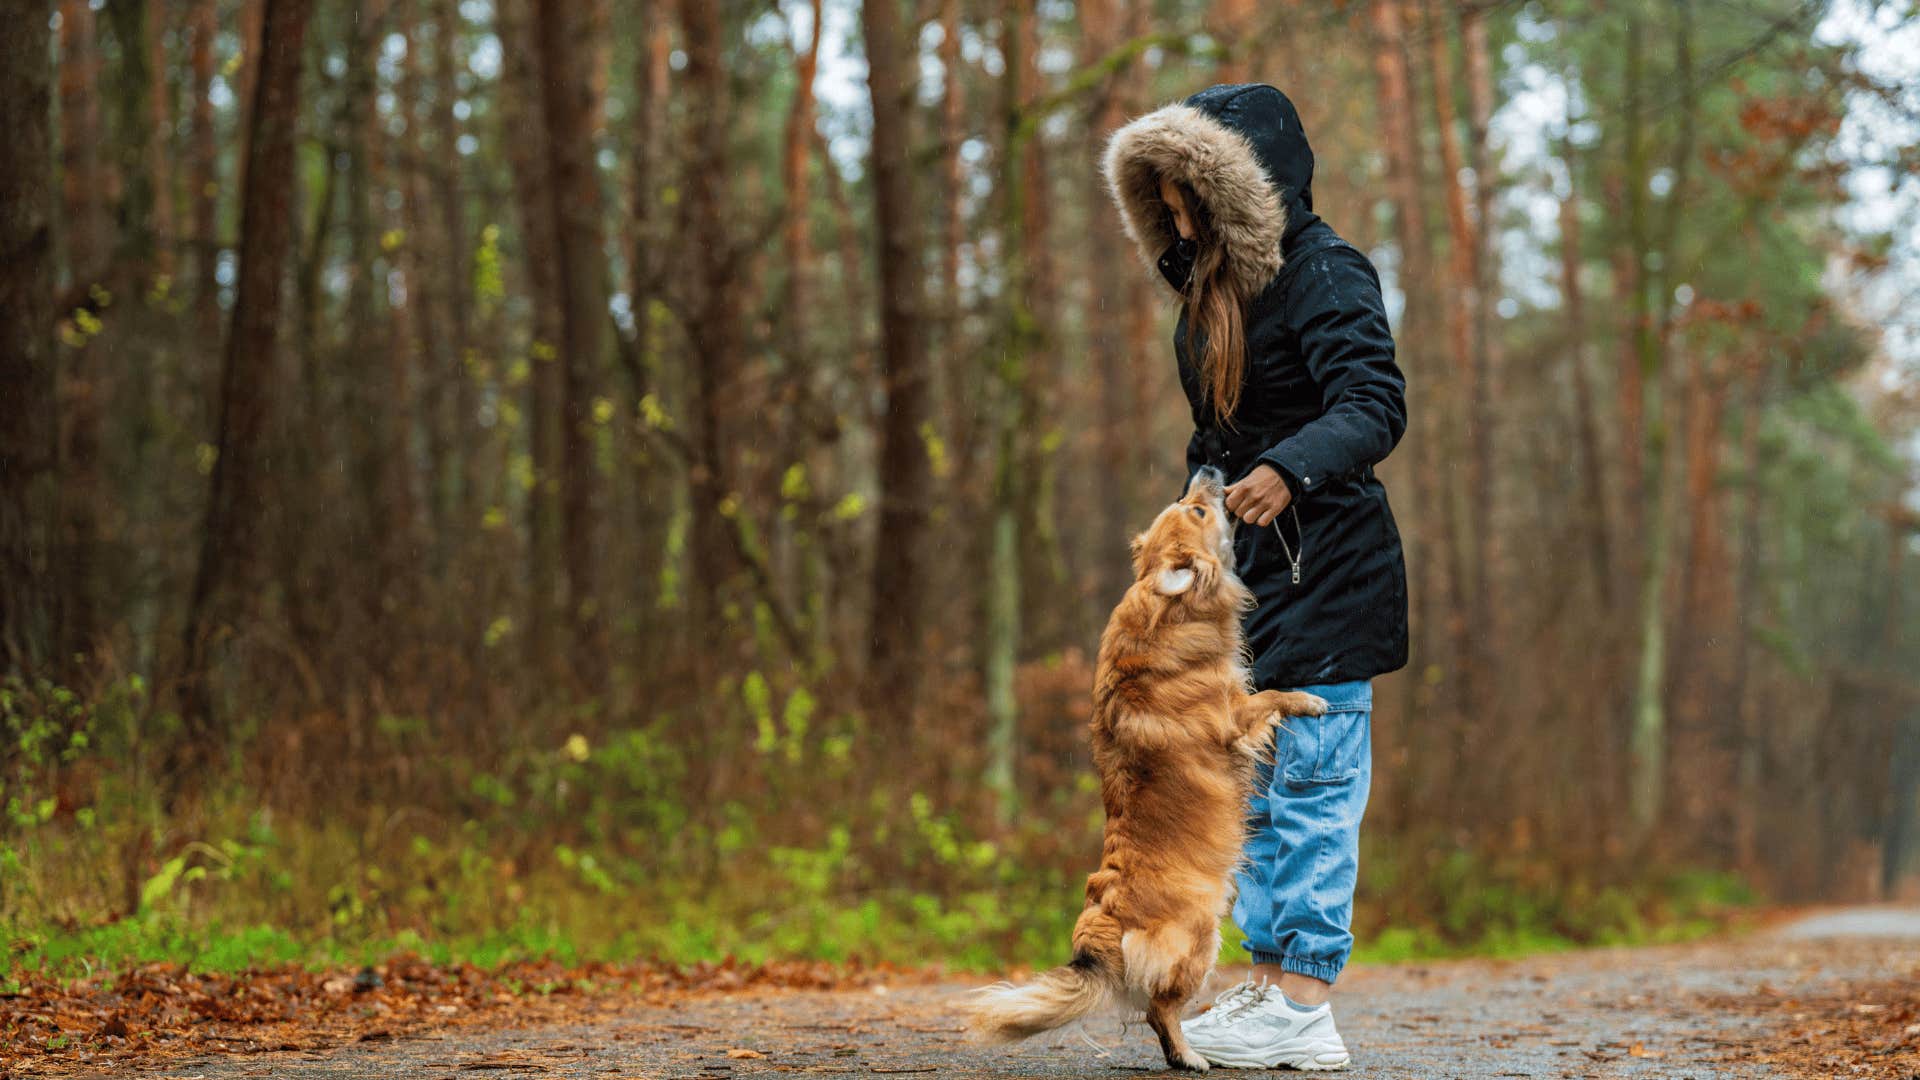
column 1176, row 736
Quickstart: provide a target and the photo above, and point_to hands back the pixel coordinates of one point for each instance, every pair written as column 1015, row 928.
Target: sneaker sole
column 1321, row 1060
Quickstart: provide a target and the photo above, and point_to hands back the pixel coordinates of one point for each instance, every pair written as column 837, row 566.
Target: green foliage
column 49, row 736
column 489, row 280
column 586, row 849
column 1432, row 899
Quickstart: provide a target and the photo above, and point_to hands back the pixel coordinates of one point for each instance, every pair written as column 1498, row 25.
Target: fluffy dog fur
column 1175, row 739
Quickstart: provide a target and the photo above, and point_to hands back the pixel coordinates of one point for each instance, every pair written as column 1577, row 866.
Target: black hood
column 1266, row 118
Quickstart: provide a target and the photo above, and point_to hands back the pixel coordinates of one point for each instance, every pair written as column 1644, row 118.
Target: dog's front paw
column 1296, row 703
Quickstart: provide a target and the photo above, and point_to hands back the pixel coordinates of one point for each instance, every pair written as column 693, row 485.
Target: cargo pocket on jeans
column 1328, row 749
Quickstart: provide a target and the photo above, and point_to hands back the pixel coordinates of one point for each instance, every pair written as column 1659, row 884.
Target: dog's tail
column 1008, row 1013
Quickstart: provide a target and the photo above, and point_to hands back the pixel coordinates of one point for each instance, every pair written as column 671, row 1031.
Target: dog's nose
column 1208, row 479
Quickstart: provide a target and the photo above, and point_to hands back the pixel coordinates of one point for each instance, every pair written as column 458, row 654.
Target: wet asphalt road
column 1647, row 1012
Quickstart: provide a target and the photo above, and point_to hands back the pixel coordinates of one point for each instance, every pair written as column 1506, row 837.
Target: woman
column 1287, row 363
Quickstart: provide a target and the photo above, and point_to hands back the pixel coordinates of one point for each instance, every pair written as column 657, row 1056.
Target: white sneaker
column 1267, row 1032
column 1229, row 1000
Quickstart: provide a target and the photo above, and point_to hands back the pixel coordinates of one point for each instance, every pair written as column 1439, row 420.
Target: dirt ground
column 1832, row 994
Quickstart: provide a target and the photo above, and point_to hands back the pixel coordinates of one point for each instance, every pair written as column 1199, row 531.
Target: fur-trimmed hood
column 1242, row 151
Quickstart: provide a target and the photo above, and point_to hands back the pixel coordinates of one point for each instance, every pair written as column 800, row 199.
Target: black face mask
column 1176, row 264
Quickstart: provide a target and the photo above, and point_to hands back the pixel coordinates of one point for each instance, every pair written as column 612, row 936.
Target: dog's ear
column 1187, row 570
column 1196, row 570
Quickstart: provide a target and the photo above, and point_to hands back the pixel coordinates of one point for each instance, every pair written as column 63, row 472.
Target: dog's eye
column 1199, row 511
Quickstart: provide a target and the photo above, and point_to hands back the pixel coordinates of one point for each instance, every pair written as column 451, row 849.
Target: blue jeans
column 1295, row 897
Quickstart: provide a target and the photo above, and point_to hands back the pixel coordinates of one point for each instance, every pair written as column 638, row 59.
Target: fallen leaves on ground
column 157, row 1011
column 1869, row 1031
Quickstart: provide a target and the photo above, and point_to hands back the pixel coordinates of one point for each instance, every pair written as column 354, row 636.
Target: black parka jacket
column 1323, row 401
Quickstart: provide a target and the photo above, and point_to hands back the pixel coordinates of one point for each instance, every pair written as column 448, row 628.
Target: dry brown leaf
column 742, row 1053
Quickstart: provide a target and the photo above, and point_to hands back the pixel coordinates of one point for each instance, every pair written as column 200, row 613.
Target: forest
column 647, row 477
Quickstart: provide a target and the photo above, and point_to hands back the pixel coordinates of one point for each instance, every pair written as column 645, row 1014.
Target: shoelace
column 1231, row 1004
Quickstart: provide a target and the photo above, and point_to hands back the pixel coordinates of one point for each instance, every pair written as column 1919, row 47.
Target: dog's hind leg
column 1163, row 1016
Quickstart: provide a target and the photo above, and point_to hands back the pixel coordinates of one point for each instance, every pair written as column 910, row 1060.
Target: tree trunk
column 362, row 396
column 1427, row 552
column 252, row 14
column 83, row 391
column 204, row 175
column 1596, row 522
column 652, row 81
column 1011, row 527
column 1459, row 298
column 1647, row 749
column 397, row 498
column 794, row 163
column 1636, row 380
column 1485, row 366
column 949, row 363
column 572, row 112
column 309, row 458
column 245, row 482
column 160, row 145
column 953, row 126
column 523, row 134
column 663, row 492
column 1699, row 772
column 133, row 136
column 454, row 272
column 1748, row 746
column 1650, row 737
column 1109, row 357
column 801, row 378
column 897, row 629
column 84, row 187
column 1036, row 384
column 1143, row 303
column 431, row 353
column 716, row 319
column 27, row 411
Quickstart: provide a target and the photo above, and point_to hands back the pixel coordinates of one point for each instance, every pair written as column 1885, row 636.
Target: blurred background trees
column 696, row 432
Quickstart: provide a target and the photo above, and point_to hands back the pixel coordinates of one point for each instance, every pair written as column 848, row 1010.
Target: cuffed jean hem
column 1323, row 970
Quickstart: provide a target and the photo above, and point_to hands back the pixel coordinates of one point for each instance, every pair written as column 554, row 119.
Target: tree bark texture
column 572, row 112
column 906, row 474
column 244, row 477
column 27, row 359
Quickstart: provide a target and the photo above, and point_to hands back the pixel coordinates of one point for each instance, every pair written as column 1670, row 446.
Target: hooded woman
column 1288, row 366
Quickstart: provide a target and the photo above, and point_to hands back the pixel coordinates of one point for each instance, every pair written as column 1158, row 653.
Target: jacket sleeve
column 1335, row 310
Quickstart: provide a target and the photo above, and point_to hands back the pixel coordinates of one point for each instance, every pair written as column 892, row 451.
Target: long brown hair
column 1214, row 315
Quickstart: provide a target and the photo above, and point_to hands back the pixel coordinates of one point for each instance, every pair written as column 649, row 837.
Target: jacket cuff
column 1296, row 467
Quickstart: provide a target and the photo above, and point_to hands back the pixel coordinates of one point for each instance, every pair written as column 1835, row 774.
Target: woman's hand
column 1259, row 497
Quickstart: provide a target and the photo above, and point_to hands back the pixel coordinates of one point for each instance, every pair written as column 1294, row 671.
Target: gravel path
column 1647, row 1012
